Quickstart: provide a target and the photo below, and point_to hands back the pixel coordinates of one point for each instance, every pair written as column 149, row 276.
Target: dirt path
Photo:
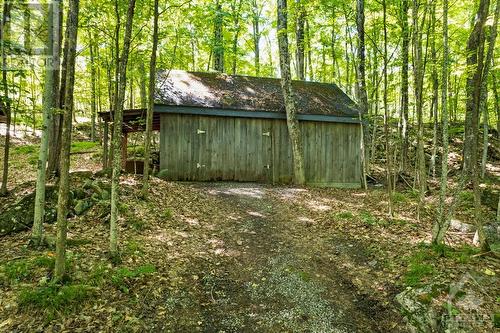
column 276, row 274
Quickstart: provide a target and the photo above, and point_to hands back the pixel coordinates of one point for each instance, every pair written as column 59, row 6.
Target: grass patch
column 81, row 146
column 134, row 247
column 399, row 197
column 75, row 242
column 24, row 269
column 123, row 277
column 416, row 273
column 419, row 266
column 53, row 298
column 462, row 254
column 29, row 151
column 368, row 218
column 466, row 200
column 135, row 223
column 344, row 216
column 167, row 214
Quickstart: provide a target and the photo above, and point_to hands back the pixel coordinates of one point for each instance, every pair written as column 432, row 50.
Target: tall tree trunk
column 286, row 85
column 483, row 102
column 63, row 192
column 475, row 57
column 309, row 51
column 435, row 90
column 497, row 102
column 55, row 128
column 236, row 9
column 117, row 128
column 256, row 12
column 441, row 224
column 404, row 84
column 418, row 86
column 5, row 103
column 93, row 89
column 299, row 37
column 152, row 85
column 475, row 66
column 143, row 86
column 360, row 23
column 52, row 63
column 346, row 52
column 386, row 115
column 334, row 54
column 362, row 95
column 218, row 47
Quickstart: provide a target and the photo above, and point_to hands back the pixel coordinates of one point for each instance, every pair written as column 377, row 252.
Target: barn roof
column 246, row 93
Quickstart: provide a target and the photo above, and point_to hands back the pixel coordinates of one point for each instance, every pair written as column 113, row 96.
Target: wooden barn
column 233, row 128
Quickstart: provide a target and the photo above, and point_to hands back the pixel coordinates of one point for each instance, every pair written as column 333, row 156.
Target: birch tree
column 51, row 65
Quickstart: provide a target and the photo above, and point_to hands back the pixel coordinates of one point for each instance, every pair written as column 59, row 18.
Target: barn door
column 266, row 150
column 203, row 148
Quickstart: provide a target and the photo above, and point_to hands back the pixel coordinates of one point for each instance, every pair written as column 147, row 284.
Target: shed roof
column 236, row 92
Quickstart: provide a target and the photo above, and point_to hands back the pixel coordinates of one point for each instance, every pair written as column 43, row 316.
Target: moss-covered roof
column 236, row 92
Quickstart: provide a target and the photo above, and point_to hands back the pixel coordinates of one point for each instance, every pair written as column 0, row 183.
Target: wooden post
column 124, row 149
column 105, row 145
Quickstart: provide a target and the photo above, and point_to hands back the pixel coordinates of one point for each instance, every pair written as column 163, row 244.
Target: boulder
column 419, row 314
column 492, row 232
column 458, row 225
column 20, row 215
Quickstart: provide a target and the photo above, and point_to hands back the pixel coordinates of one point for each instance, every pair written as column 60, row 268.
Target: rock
column 492, row 233
column 420, row 315
column 82, row 206
column 461, row 226
column 20, row 215
column 489, row 197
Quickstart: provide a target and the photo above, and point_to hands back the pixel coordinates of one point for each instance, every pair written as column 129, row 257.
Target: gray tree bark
column 404, row 84
column 483, row 102
column 149, row 116
column 256, row 34
column 93, row 103
column 63, row 192
column 418, row 72
column 299, row 37
column 286, row 85
column 441, row 224
column 5, row 102
column 218, row 47
column 52, row 64
column 386, row 115
column 117, row 128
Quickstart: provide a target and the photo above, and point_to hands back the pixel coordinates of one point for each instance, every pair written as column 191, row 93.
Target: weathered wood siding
column 201, row 148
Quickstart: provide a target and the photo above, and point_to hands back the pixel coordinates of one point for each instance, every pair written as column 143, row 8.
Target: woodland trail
column 283, row 278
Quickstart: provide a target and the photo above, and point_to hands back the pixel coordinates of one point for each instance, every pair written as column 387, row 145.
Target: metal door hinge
column 266, row 134
column 199, row 131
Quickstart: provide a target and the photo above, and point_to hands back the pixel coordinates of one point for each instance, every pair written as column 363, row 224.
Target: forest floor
column 233, row 257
